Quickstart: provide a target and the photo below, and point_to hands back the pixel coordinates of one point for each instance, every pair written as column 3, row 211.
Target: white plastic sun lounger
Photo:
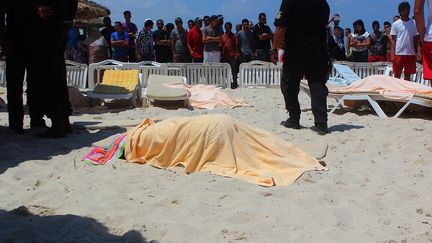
column 344, row 75
column 371, row 98
column 157, row 90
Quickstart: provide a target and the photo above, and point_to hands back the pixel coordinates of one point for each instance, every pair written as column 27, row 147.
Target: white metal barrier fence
column 76, row 74
column 2, row 74
column 259, row 73
column 364, row 69
column 218, row 74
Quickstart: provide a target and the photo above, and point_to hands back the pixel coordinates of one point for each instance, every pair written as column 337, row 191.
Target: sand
column 377, row 188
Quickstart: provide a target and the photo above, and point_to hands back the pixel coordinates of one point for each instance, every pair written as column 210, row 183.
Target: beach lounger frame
column 96, row 75
column 95, row 71
column 371, row 98
column 135, row 95
column 147, row 98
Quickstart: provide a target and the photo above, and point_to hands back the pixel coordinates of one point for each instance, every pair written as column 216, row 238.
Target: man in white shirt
column 425, row 33
column 404, row 40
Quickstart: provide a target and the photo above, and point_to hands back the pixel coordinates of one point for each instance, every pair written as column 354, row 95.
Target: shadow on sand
column 344, row 127
column 16, row 149
column 390, row 109
column 23, row 225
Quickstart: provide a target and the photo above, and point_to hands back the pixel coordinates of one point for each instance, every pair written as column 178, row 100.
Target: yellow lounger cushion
column 118, row 82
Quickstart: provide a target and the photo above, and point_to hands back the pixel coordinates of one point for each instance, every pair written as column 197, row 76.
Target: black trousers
column 246, row 58
column 316, row 72
column 359, row 56
column 50, row 73
column 198, row 60
column 147, row 57
column 232, row 61
column 16, row 65
column 163, row 57
column 182, row 58
column 131, row 54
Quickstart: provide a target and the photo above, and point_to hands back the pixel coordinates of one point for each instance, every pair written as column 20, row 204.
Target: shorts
column 427, row 60
column 376, row 58
column 212, row 56
column 405, row 63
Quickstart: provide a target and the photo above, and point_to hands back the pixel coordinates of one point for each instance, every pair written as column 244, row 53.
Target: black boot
column 57, row 130
column 321, row 128
column 67, row 125
column 17, row 130
column 291, row 123
column 37, row 123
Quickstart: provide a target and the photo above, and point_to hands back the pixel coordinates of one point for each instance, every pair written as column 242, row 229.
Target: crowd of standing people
column 397, row 42
column 204, row 40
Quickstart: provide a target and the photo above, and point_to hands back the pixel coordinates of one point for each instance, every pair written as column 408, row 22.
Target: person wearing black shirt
column 162, row 43
column 336, row 45
column 15, row 40
column 263, row 35
column 303, row 25
column 107, row 31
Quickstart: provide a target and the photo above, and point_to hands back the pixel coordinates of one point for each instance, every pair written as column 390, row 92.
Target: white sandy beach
column 377, row 188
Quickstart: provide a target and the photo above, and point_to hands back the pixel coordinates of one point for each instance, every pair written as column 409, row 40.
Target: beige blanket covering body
column 208, row 96
column 389, row 87
column 221, row 145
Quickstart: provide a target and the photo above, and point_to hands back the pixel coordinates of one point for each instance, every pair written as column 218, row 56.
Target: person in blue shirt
column 119, row 43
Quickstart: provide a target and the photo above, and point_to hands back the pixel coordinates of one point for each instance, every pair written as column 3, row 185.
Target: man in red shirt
column 425, row 32
column 194, row 42
column 230, row 52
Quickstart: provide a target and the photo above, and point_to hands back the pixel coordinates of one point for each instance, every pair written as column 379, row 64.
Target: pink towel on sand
column 208, row 96
column 389, row 87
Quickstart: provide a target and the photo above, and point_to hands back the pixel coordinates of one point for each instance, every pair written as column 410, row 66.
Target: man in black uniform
column 50, row 36
column 303, row 25
column 15, row 40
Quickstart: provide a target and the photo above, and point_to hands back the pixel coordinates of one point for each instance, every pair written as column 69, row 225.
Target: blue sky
column 235, row 10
